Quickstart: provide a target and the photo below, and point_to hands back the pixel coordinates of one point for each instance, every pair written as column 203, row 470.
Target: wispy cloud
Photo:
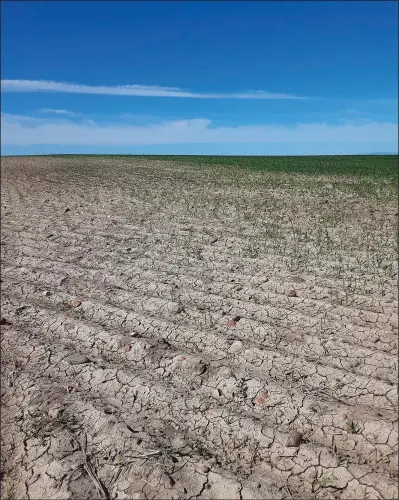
column 132, row 90
column 383, row 105
column 24, row 131
column 60, row 112
column 391, row 101
column 352, row 111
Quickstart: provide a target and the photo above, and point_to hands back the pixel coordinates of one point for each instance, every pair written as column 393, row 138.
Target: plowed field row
column 195, row 333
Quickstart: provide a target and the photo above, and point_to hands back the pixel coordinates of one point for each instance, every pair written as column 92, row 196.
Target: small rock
column 231, row 323
column 50, row 235
column 127, row 348
column 294, row 439
column 75, row 303
column 78, row 359
column 292, row 293
column 46, row 293
column 235, row 346
column 67, row 210
column 261, row 398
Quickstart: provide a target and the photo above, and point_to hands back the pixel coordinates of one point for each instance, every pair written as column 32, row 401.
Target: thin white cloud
column 9, row 118
column 383, row 101
column 352, row 111
column 26, row 132
column 383, row 105
column 132, row 90
column 62, row 112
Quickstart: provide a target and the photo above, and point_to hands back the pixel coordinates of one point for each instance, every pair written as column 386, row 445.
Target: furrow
column 188, row 308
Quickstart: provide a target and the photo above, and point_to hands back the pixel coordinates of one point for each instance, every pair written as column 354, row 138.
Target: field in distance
column 199, row 327
column 377, row 165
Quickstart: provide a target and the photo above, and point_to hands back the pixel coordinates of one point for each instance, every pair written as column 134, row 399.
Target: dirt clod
column 78, row 359
column 231, row 323
column 261, row 398
column 235, row 346
column 216, row 393
column 297, row 279
column 75, row 303
column 291, row 293
column 55, row 412
column 294, row 439
column 123, row 341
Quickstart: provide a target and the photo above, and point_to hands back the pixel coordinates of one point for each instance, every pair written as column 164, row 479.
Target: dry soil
column 176, row 331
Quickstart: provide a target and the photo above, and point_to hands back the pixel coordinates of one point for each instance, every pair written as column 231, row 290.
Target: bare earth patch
column 171, row 331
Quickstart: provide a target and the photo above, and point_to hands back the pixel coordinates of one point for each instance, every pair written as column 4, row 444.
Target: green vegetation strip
column 366, row 165
column 379, row 166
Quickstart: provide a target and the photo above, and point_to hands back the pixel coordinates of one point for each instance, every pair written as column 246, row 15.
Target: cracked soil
column 170, row 331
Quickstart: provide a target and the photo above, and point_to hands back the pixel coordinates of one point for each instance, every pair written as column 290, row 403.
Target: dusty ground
column 170, row 330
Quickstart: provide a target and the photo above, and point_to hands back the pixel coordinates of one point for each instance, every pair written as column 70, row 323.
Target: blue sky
column 199, row 77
